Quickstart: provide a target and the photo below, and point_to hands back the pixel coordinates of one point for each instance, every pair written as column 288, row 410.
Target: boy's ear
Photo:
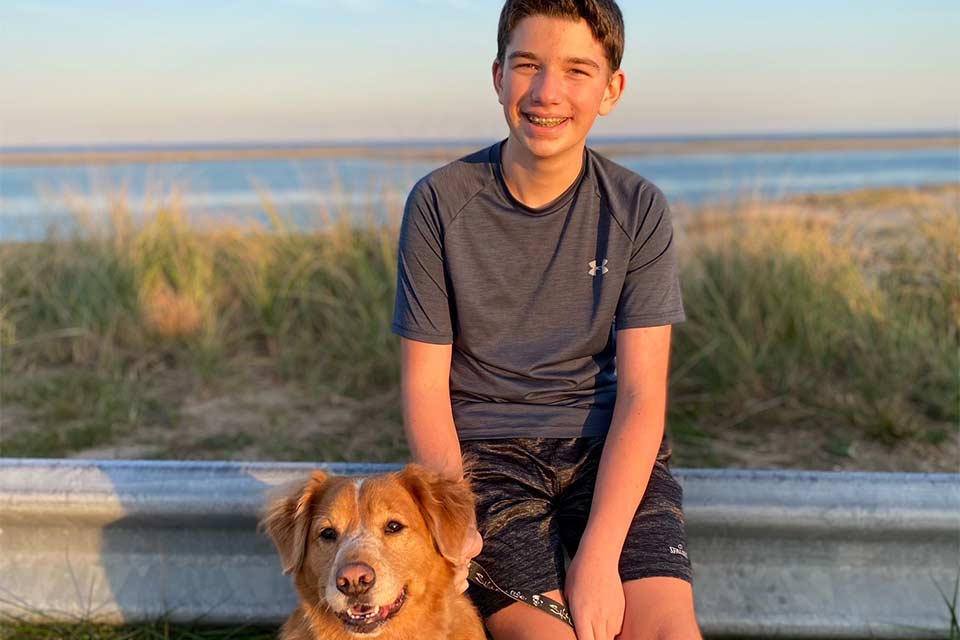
column 498, row 79
column 613, row 92
column 287, row 518
column 446, row 507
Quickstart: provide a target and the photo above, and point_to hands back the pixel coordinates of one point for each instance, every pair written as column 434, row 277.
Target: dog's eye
column 328, row 534
column 394, row 527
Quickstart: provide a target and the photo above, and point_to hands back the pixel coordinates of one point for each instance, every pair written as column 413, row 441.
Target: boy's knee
column 678, row 625
column 659, row 608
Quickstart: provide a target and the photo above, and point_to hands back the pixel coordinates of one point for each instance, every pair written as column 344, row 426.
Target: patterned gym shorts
column 533, row 501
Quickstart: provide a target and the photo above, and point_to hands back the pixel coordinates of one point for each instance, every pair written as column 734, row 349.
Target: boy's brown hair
column 603, row 17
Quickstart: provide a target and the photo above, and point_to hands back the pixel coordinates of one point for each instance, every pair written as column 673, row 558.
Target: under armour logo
column 594, row 268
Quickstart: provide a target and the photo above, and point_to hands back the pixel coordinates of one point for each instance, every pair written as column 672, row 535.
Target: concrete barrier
column 775, row 553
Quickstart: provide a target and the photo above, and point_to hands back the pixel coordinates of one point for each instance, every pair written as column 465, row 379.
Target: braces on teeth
column 549, row 122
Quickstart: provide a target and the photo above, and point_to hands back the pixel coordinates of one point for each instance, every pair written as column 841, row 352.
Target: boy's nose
column 547, row 88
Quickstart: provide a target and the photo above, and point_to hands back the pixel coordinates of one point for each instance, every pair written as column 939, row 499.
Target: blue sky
column 105, row 71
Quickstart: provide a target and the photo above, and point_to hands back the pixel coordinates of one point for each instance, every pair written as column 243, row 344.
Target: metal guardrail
column 775, row 553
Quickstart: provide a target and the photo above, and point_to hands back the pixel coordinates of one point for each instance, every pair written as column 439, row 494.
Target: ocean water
column 308, row 193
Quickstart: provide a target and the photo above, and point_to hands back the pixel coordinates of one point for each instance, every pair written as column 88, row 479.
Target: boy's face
column 553, row 83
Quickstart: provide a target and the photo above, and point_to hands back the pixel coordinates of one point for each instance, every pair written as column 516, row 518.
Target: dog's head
column 367, row 549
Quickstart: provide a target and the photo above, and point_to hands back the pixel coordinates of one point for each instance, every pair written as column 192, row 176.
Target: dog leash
column 479, row 576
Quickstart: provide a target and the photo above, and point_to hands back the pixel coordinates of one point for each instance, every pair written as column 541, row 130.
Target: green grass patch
column 75, row 410
column 150, row 631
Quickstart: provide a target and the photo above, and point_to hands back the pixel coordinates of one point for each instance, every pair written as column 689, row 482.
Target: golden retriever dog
column 375, row 556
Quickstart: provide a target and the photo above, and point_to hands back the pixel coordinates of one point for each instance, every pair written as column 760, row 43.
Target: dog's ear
column 447, row 507
column 288, row 515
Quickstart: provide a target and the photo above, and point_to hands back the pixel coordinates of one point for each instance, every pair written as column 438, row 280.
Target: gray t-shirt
column 529, row 298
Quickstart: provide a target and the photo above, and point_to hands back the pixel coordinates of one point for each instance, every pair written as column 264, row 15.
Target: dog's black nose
column 355, row 578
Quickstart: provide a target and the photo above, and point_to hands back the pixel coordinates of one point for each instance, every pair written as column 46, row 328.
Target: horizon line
column 284, row 143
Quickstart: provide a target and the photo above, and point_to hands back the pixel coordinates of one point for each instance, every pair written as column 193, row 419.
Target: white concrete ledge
column 775, row 553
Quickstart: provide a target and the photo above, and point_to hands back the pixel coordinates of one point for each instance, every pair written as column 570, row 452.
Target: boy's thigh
column 659, row 608
column 656, row 544
column 520, row 621
column 516, row 517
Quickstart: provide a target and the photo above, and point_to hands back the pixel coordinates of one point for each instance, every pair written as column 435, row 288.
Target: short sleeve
column 422, row 309
column 651, row 290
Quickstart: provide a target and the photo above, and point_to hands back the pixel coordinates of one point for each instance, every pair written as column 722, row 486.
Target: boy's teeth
column 545, row 122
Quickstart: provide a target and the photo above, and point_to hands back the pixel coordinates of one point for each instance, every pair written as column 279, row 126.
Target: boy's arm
column 428, row 425
column 427, row 413
column 593, row 588
column 633, row 441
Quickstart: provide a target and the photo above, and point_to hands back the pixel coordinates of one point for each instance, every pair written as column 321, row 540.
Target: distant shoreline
column 885, row 198
column 454, row 150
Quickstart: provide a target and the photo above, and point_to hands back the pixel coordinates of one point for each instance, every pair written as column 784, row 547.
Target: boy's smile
column 555, row 80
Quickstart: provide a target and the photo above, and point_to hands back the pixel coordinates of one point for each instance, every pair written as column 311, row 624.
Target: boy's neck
column 537, row 182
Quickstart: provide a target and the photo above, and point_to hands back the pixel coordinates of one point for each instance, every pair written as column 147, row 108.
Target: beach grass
column 809, row 317
column 792, row 311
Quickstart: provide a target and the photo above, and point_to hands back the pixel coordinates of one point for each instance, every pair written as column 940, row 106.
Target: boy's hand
column 595, row 597
column 472, row 545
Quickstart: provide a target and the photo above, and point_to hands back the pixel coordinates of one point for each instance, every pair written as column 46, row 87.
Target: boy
column 536, row 287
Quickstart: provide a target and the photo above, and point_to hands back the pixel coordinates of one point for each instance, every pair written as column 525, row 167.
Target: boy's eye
column 394, row 527
column 328, row 533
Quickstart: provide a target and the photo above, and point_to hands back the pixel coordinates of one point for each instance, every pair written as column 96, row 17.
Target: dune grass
column 797, row 311
column 792, row 319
